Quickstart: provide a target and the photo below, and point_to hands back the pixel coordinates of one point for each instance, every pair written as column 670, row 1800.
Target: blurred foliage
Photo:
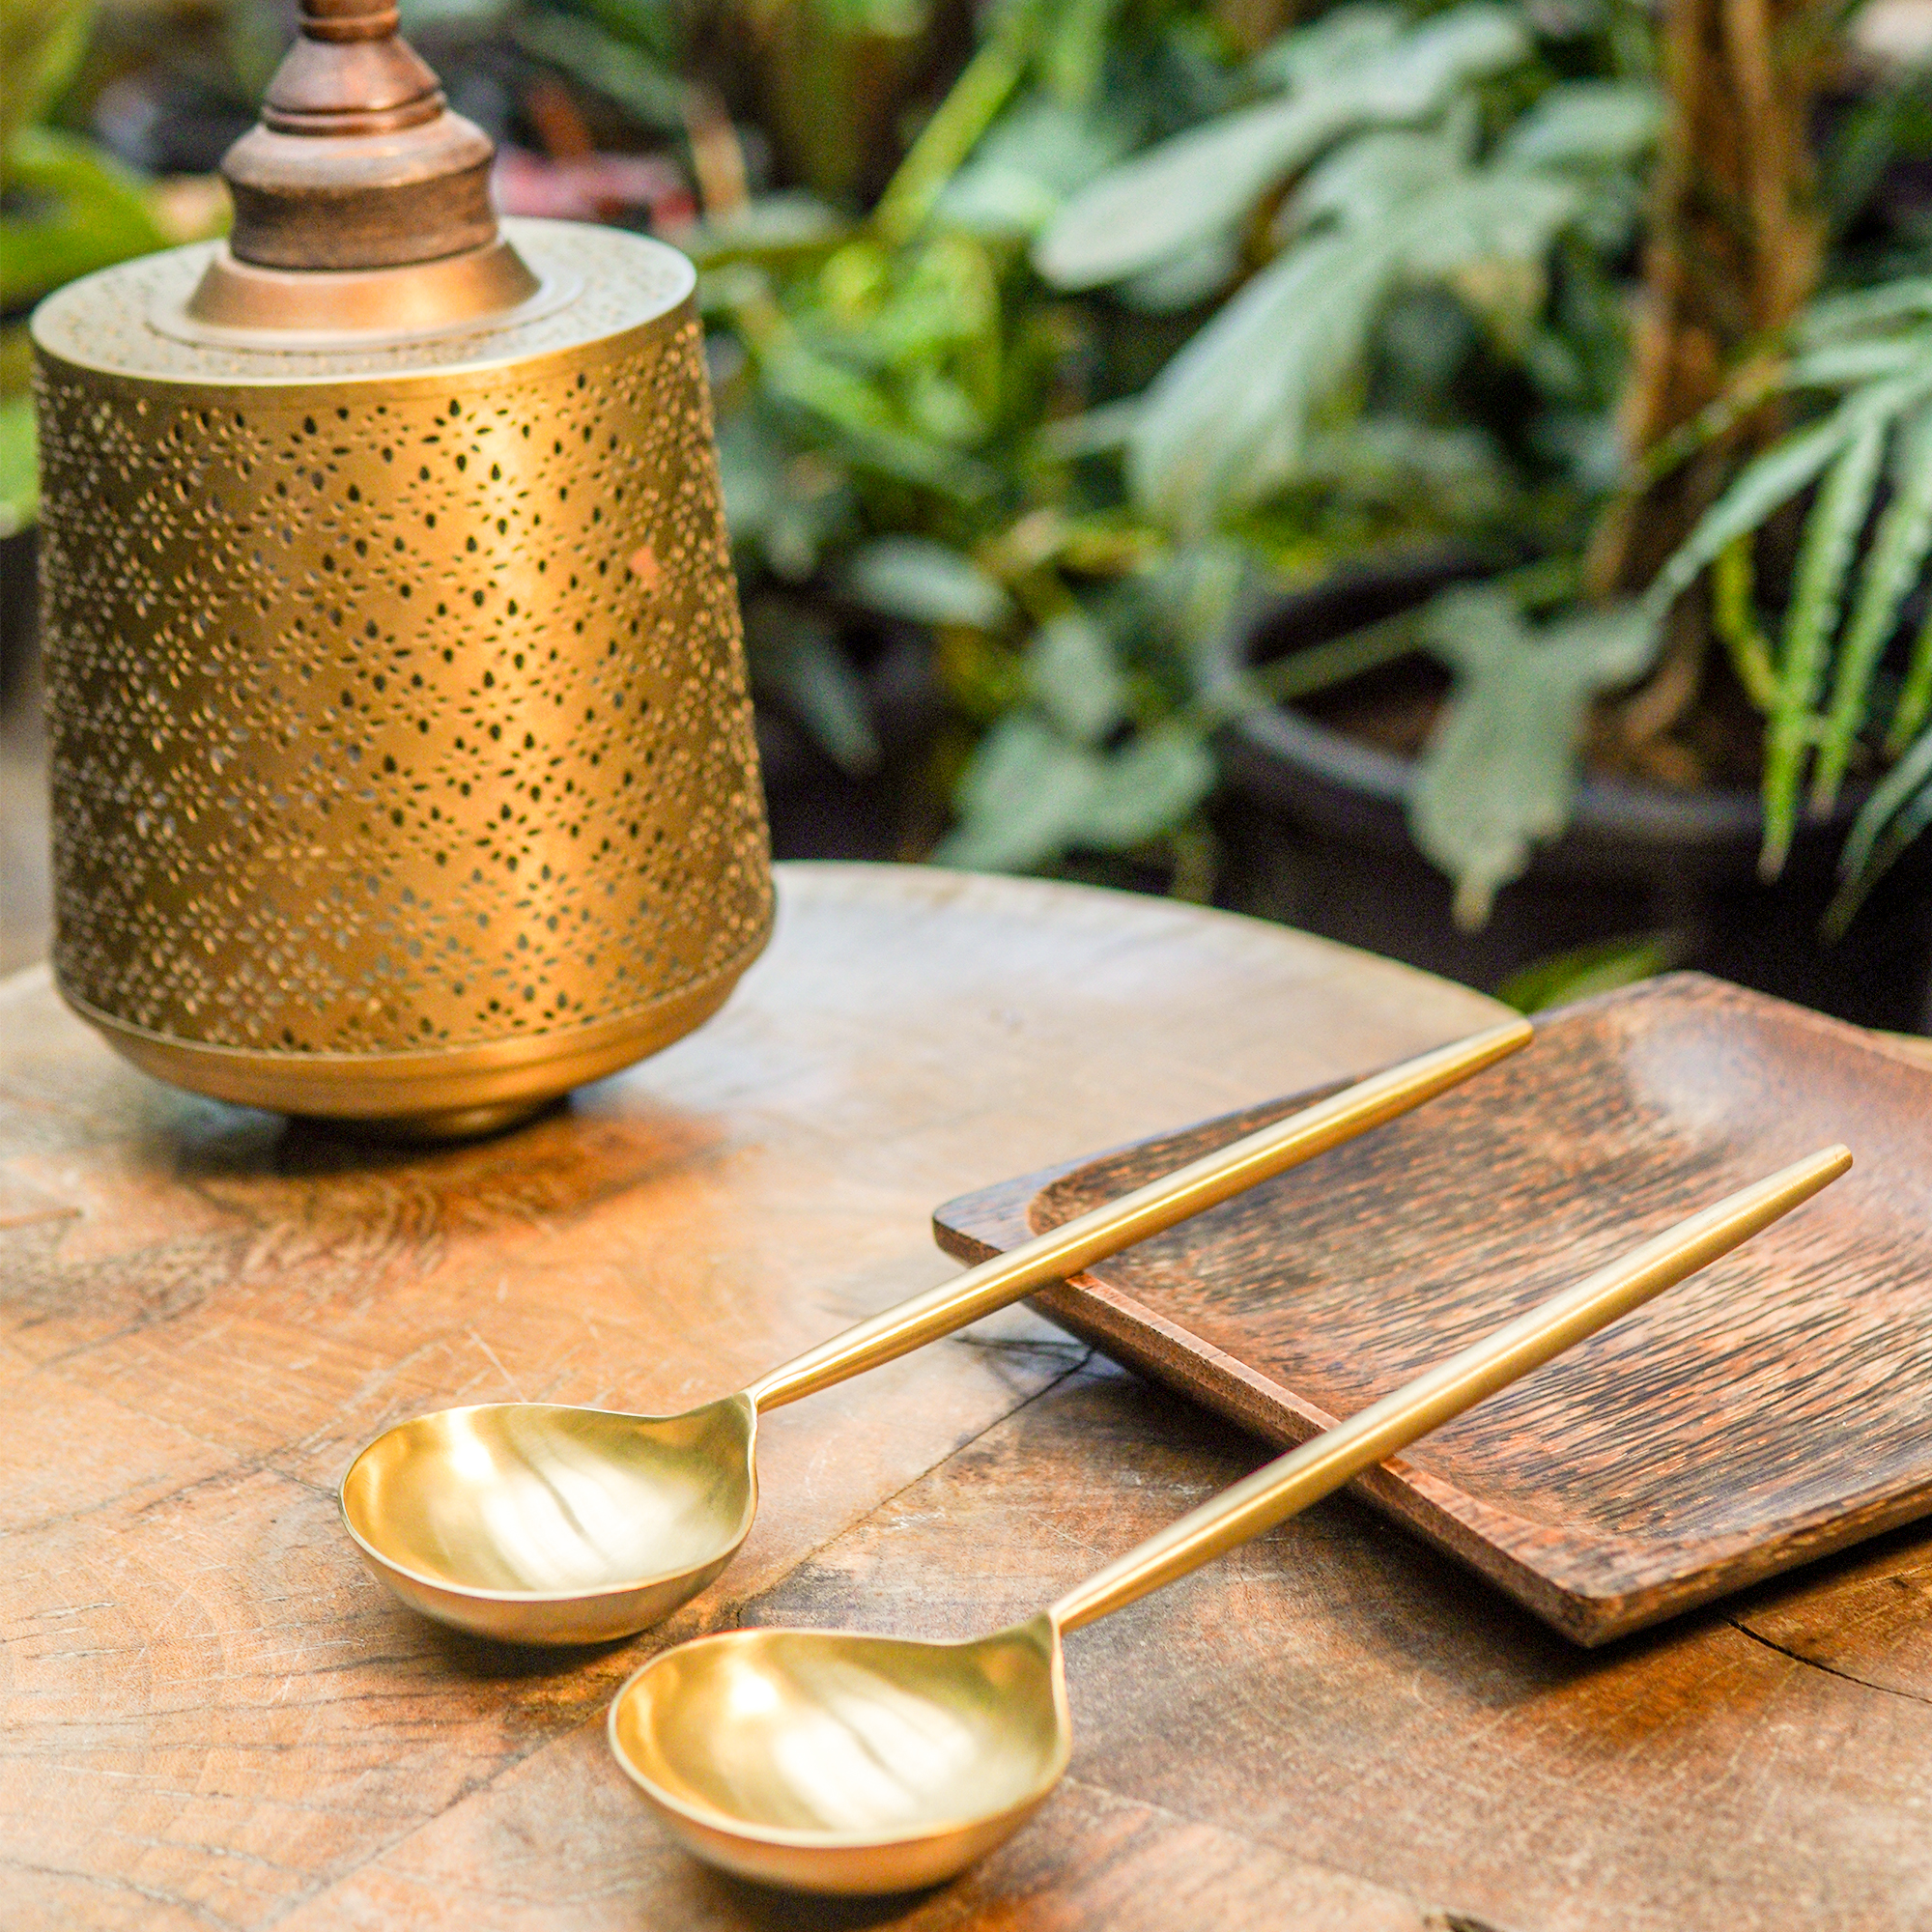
column 1500, row 770
column 1863, row 365
column 66, row 208
column 1147, row 319
column 1589, row 970
column 1067, row 330
column 1142, row 321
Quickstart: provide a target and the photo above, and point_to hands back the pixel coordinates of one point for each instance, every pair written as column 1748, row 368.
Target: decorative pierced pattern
column 396, row 715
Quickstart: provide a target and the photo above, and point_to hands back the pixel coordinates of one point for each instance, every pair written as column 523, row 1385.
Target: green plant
column 948, row 379
column 1503, row 213
column 886, row 450
column 1588, row 970
column 1499, row 773
column 1863, row 365
column 901, row 438
column 65, row 210
column 1412, row 176
column 1147, row 320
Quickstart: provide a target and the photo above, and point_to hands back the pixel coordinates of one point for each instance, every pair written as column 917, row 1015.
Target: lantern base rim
column 457, row 1093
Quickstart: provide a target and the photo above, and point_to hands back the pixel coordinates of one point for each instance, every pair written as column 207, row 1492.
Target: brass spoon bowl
column 828, row 1761
column 538, row 1522
column 833, row 1762
column 535, row 1523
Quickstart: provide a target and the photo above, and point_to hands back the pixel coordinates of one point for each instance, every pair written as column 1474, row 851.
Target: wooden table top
column 212, row 1717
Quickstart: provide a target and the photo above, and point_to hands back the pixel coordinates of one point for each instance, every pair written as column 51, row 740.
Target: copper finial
column 358, row 162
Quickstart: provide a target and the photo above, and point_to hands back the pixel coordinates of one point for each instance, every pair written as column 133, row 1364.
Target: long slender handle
column 1189, row 1190
column 1305, row 1475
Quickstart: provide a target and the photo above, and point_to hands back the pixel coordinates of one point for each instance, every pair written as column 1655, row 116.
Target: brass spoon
column 534, row 1522
column 839, row 1763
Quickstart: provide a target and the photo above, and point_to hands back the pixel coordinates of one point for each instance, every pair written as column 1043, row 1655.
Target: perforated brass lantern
column 402, row 756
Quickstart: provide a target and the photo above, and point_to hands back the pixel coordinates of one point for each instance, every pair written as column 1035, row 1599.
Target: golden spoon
column 834, row 1762
column 540, row 1523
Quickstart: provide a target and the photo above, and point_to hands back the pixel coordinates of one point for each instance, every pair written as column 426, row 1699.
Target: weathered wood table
column 211, row 1717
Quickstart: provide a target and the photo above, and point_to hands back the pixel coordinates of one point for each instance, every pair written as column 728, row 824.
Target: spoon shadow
column 482, row 1660
column 765, row 1905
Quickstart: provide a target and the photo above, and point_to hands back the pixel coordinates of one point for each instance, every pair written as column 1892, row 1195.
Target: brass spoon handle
column 1305, row 1475
column 1189, row 1190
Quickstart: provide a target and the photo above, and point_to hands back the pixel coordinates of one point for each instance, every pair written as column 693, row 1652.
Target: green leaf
column 998, row 202
column 1889, row 796
column 1496, row 217
column 644, row 88
column 1197, row 186
column 1148, row 788
column 1586, row 125
column 19, row 480
column 945, row 296
column 1776, row 476
column 42, row 42
column 1363, row 182
column 784, row 506
column 1024, row 792
column 1071, row 672
column 650, row 24
column 1914, row 692
column 1226, row 421
column 1333, row 43
column 1580, row 974
column 1417, row 75
column 1029, row 794
column 1810, row 621
column 1183, row 281
column 1498, row 774
column 98, row 216
column 774, row 229
column 871, row 436
column 1841, row 365
column 926, row 583
column 1021, row 174
column 1188, row 191
column 1403, row 465
column 1835, row 316
column 1227, row 416
column 1891, row 568
column 1733, row 612
column 750, row 464
column 1898, row 811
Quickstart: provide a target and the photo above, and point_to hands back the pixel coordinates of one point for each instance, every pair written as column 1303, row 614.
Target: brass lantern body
column 402, row 753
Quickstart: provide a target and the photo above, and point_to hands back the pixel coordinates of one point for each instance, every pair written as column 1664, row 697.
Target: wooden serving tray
column 1774, row 1406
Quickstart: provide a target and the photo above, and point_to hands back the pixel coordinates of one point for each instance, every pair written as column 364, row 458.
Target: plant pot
column 1314, row 825
column 818, row 810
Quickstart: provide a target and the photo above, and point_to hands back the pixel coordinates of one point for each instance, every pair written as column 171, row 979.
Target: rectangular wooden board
column 1774, row 1408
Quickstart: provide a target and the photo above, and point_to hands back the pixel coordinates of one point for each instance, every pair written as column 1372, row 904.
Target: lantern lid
column 361, row 202
column 138, row 319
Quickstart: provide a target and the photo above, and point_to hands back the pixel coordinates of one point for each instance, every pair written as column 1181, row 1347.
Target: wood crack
column 108, row 1882
column 1830, row 1669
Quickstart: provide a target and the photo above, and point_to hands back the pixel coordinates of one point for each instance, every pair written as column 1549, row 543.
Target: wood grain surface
column 1769, row 1410
column 212, row 1717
